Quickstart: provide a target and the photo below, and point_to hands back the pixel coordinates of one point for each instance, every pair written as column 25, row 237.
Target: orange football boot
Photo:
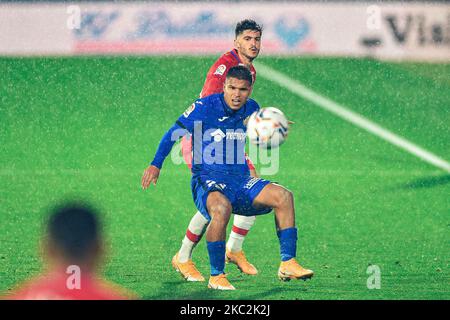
column 220, row 282
column 292, row 270
column 239, row 259
column 188, row 270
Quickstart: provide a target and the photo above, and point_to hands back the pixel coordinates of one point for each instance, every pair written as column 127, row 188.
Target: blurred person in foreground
column 73, row 252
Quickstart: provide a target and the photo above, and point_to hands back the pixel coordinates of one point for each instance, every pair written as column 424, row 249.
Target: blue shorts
column 239, row 190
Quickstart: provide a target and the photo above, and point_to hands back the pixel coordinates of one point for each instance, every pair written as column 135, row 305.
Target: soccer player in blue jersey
column 221, row 182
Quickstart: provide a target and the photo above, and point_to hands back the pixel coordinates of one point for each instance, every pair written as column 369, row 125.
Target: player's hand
column 151, row 174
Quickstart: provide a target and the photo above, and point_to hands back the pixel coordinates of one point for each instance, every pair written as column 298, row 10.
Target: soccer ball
column 267, row 128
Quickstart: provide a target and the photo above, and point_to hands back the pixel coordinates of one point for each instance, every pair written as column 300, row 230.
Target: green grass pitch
column 86, row 127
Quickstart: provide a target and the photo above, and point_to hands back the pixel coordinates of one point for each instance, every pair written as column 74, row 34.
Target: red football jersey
column 53, row 286
column 214, row 84
column 218, row 72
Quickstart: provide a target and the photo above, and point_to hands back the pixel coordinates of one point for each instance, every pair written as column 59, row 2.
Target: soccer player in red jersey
column 73, row 250
column 247, row 46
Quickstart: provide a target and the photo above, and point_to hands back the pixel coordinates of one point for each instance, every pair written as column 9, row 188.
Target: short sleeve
column 194, row 113
column 215, row 78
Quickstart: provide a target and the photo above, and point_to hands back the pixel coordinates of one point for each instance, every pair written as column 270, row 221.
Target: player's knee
column 284, row 197
column 220, row 210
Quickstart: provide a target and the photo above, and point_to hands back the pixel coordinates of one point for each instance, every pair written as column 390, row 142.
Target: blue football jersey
column 218, row 136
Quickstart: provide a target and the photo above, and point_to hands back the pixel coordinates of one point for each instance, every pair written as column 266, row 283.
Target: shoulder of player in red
column 218, row 72
column 233, row 56
column 55, row 286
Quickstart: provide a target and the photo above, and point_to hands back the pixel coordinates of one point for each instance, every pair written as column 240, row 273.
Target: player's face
column 248, row 43
column 236, row 92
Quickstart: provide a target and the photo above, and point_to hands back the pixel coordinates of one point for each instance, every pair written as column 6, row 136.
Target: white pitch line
column 344, row 113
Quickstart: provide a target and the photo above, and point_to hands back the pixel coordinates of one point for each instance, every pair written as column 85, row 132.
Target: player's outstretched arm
column 151, row 174
column 185, row 123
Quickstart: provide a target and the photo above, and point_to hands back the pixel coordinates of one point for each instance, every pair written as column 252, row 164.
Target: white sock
column 241, row 225
column 194, row 232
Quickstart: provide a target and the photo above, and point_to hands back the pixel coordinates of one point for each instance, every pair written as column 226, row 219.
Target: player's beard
column 250, row 58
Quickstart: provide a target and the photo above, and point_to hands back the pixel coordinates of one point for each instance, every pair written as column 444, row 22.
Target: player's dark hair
column 241, row 73
column 247, row 24
column 75, row 230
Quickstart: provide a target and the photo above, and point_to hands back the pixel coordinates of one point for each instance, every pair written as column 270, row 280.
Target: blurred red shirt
column 218, row 72
column 53, row 286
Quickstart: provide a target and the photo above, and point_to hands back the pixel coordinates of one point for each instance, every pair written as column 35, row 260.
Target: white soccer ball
column 267, row 128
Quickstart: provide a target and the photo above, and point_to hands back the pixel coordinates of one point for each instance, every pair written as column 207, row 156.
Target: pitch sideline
column 350, row 116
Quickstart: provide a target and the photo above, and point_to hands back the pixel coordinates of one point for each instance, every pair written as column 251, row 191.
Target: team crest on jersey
column 189, row 110
column 220, row 69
